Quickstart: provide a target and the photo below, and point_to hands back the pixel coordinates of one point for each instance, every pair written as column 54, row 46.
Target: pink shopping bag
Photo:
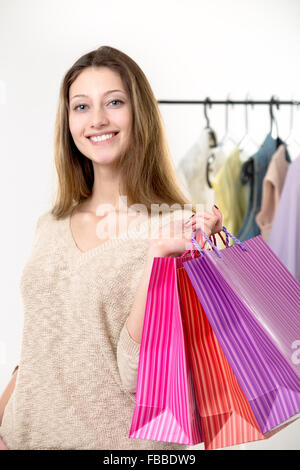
column 165, row 400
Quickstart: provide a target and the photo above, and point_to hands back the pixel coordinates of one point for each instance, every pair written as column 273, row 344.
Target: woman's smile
column 103, row 141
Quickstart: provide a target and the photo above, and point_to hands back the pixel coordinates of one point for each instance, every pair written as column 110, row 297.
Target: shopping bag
column 218, row 412
column 165, row 401
column 252, row 303
column 226, row 416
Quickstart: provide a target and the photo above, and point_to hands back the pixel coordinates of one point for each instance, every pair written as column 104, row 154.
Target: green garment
column 231, row 195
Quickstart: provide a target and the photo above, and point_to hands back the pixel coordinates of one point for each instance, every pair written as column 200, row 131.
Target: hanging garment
column 284, row 236
column 192, row 171
column 231, row 195
column 272, row 188
column 253, row 173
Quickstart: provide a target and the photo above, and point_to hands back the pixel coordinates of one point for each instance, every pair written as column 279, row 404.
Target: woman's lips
column 102, row 142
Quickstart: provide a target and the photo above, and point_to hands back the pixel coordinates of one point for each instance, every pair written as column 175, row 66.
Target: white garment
column 192, row 172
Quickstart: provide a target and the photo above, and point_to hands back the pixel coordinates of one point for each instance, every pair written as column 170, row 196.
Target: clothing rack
column 210, row 102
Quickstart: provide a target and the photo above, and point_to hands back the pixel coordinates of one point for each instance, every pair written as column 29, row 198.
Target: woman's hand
column 209, row 223
column 175, row 243
column 181, row 233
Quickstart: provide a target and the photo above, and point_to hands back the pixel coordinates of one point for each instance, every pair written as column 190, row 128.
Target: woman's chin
column 102, row 160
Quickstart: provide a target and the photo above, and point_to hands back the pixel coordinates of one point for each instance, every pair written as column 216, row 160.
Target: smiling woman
column 96, row 122
column 106, row 92
column 76, row 381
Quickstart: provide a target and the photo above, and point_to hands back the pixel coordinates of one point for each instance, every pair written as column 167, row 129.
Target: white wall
column 188, row 50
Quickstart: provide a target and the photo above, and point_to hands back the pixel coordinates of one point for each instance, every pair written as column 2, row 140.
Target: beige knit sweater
column 76, row 382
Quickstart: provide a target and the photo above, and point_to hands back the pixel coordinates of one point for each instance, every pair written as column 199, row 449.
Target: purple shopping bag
column 252, row 303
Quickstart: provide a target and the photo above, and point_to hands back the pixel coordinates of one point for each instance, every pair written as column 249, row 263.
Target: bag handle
column 213, row 246
column 194, row 241
column 198, row 247
column 191, row 251
column 237, row 241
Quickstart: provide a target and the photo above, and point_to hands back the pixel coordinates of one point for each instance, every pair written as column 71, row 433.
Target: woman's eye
column 119, row 101
column 78, row 106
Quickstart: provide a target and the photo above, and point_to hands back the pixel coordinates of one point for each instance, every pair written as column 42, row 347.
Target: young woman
column 84, row 287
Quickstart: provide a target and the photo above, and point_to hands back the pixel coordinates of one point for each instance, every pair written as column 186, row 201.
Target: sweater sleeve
column 128, row 359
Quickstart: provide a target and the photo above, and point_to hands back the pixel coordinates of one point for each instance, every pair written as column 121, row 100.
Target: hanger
column 290, row 141
column 212, row 135
column 273, row 101
column 247, row 170
column 227, row 138
column 247, row 140
column 213, row 142
column 279, row 141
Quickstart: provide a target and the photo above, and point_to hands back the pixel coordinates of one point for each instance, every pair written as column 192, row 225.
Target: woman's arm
column 136, row 318
column 131, row 336
column 7, row 393
column 129, row 343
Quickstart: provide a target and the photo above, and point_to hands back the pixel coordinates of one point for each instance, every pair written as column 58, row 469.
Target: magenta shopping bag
column 252, row 303
column 165, row 399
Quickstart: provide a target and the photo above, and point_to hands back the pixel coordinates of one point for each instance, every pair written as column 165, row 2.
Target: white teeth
column 101, row 137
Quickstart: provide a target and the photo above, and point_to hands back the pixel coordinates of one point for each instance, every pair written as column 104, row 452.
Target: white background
column 188, row 49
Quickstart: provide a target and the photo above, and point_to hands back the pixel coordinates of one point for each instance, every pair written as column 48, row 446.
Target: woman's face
column 100, row 111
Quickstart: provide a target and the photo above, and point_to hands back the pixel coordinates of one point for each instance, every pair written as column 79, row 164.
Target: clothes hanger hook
column 273, row 101
column 294, row 103
column 246, row 111
column 207, row 102
column 226, row 112
column 247, row 102
column 291, row 129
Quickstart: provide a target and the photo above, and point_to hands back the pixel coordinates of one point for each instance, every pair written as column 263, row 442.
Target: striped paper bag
column 165, row 401
column 252, row 303
column 226, row 416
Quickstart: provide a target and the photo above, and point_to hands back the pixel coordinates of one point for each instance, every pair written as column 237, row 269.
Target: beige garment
column 75, row 387
column 272, row 188
column 191, row 172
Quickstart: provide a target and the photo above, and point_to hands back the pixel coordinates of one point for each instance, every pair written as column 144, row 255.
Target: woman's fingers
column 219, row 215
column 196, row 216
column 203, row 222
column 214, row 220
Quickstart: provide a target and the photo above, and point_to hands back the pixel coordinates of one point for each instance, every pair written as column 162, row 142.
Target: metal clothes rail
column 210, row 102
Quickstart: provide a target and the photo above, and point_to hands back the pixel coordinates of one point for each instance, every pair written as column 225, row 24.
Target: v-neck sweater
column 76, row 382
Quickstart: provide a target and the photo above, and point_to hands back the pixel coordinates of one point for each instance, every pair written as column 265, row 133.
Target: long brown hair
column 147, row 171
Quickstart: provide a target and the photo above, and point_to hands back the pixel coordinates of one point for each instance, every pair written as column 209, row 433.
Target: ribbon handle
column 212, row 245
column 237, row 241
column 194, row 241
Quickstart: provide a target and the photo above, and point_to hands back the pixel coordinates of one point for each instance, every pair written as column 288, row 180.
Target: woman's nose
column 99, row 117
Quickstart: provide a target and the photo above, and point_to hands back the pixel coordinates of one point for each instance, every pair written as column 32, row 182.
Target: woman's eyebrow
column 104, row 94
